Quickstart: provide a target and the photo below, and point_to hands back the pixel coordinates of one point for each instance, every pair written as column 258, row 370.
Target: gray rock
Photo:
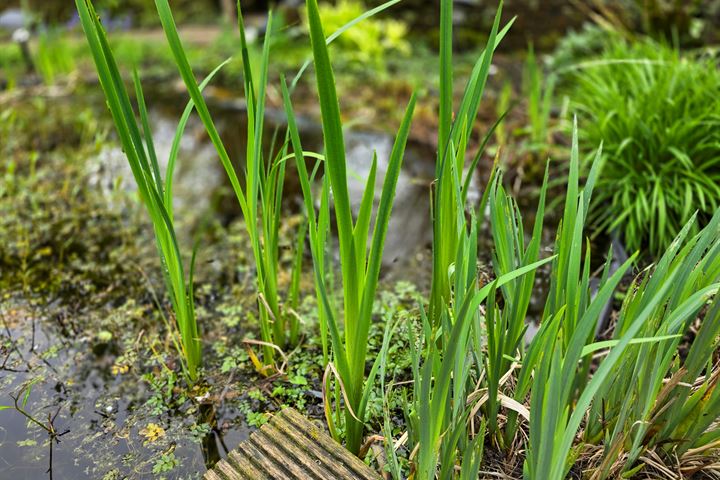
column 13, row 18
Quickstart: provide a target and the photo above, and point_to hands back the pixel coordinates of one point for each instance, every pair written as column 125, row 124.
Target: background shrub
column 370, row 41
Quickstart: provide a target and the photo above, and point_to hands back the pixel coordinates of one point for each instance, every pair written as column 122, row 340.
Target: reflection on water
column 97, row 414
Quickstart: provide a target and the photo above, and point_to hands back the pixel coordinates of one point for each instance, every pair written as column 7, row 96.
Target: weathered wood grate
column 288, row 447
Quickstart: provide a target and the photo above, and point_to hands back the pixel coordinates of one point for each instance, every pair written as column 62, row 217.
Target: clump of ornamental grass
column 657, row 113
column 554, row 367
column 642, row 393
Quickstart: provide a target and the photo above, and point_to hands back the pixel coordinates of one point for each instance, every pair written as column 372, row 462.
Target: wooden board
column 288, row 447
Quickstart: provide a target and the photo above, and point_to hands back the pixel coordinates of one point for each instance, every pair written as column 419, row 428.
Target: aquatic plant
column 454, row 132
column 641, row 352
column 360, row 268
column 154, row 189
column 260, row 198
column 657, row 116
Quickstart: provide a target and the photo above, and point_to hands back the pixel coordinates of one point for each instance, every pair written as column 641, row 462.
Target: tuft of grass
column 642, row 394
column 454, row 132
column 657, row 116
column 154, row 189
column 360, row 268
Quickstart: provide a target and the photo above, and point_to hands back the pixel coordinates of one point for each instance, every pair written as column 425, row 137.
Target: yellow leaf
column 152, row 432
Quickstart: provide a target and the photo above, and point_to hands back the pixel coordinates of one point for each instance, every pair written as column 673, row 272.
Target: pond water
column 98, row 415
column 201, row 185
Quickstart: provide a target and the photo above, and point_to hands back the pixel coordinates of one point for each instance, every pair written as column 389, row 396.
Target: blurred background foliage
column 140, row 12
column 651, row 116
column 543, row 22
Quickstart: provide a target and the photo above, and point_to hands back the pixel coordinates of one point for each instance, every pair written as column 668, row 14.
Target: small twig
column 12, row 341
column 225, row 390
column 20, row 410
column 32, row 341
column 49, row 428
column 4, row 366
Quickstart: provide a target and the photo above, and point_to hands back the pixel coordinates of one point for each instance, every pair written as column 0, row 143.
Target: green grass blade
column 180, row 130
column 168, row 24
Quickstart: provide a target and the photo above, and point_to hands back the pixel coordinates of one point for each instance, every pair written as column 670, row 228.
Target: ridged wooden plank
column 289, row 447
column 211, row 475
column 227, row 472
column 313, row 470
column 306, row 437
column 286, row 452
column 242, row 467
column 332, row 453
column 266, row 463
